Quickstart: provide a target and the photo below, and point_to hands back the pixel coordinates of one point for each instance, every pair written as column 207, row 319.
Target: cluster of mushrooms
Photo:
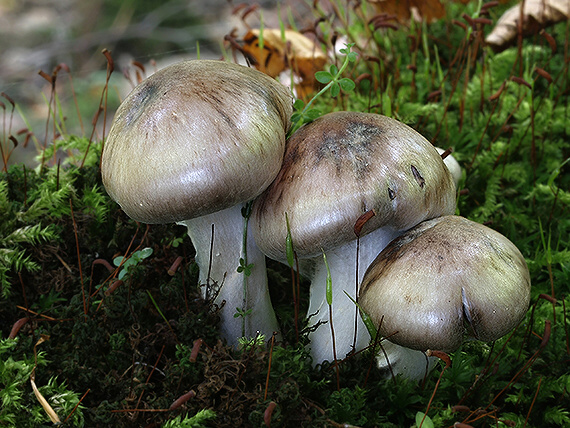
column 201, row 142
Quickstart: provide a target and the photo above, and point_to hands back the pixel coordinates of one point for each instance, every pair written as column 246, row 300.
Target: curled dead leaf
column 282, row 50
column 268, row 57
column 537, row 14
column 44, row 403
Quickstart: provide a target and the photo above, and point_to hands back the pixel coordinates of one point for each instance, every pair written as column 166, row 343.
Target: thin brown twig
column 525, row 367
column 78, row 257
column 445, row 358
column 337, row 371
column 298, row 302
column 269, row 366
column 76, row 406
column 533, row 401
column 150, row 374
column 102, row 106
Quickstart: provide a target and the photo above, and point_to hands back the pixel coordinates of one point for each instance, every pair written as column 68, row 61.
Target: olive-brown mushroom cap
column 444, row 278
column 194, row 138
column 339, row 167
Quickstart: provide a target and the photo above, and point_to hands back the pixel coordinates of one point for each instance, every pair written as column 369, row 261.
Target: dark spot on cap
column 349, row 146
column 144, row 95
column 418, row 177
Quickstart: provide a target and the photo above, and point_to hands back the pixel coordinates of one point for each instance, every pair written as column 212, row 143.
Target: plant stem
column 327, row 86
column 246, row 213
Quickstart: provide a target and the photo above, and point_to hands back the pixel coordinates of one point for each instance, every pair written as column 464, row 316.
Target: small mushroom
column 444, row 279
column 451, row 164
column 191, row 144
column 335, row 169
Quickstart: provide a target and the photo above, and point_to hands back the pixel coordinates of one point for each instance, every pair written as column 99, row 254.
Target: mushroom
column 444, row 279
column 451, row 164
column 192, row 144
column 335, row 169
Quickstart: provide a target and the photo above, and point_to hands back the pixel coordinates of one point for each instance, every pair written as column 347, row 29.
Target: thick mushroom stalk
column 243, row 297
column 342, row 266
column 445, row 279
column 335, row 169
column 193, row 143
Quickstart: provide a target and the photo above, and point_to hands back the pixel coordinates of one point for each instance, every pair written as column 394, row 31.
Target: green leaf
column 346, row 84
column 296, row 117
column 313, row 114
column 246, row 210
column 335, row 89
column 333, row 70
column 427, row 422
column 144, row 253
column 244, row 268
column 240, row 313
column 323, row 77
column 299, row 104
column 346, row 50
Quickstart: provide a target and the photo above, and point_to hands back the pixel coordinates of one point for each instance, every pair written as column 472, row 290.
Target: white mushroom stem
column 342, row 266
column 452, row 165
column 409, row 363
column 220, row 280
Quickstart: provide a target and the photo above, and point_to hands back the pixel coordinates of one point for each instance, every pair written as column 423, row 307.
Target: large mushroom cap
column 339, row 167
column 444, row 278
column 194, row 138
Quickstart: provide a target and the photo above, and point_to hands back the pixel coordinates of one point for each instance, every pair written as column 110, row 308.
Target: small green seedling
column 242, row 313
column 244, row 268
column 131, row 262
column 332, row 77
column 247, row 343
column 332, row 80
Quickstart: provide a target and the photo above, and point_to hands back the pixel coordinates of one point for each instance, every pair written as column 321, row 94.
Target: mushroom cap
column 194, row 138
column 342, row 165
column 444, row 278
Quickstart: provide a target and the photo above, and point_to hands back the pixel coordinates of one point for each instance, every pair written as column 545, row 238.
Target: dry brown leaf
column 48, row 409
column 44, row 403
column 270, row 59
column 279, row 53
column 421, row 10
column 537, row 14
